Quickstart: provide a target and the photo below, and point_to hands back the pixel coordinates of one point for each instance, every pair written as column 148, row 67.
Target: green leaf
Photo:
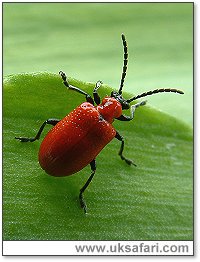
column 153, row 201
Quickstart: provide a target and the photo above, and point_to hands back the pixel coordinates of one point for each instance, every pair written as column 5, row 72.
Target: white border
column 64, row 247
column 91, row 248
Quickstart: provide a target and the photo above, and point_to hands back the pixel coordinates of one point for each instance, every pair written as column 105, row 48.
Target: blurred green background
column 85, row 41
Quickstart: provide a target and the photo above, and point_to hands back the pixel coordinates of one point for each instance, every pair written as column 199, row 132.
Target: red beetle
column 76, row 140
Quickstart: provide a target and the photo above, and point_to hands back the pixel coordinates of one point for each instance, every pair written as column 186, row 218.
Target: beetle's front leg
column 132, row 111
column 120, row 138
column 51, row 121
column 66, row 83
column 95, row 94
column 81, row 199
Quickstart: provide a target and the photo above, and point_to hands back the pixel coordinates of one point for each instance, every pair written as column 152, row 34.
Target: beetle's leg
column 51, row 121
column 132, row 111
column 95, row 94
column 120, row 138
column 82, row 201
column 65, row 82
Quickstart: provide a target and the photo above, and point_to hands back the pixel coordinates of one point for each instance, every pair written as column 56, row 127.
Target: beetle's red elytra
column 83, row 134
column 75, row 141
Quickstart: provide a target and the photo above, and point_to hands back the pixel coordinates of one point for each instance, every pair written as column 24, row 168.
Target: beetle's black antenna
column 155, row 92
column 125, row 64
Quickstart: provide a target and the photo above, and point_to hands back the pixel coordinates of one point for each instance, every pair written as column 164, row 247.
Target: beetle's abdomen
column 75, row 141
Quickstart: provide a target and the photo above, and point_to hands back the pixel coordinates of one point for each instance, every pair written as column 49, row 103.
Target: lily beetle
column 75, row 141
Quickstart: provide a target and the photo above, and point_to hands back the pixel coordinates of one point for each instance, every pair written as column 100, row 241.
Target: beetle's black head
column 118, row 95
column 119, row 98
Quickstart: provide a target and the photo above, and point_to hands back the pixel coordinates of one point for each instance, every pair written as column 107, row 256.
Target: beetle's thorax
column 110, row 108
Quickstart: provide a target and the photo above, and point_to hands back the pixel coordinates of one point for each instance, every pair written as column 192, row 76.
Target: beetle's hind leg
column 51, row 121
column 120, row 138
column 81, row 198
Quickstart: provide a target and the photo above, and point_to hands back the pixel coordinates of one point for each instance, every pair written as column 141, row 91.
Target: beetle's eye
column 125, row 105
column 113, row 94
